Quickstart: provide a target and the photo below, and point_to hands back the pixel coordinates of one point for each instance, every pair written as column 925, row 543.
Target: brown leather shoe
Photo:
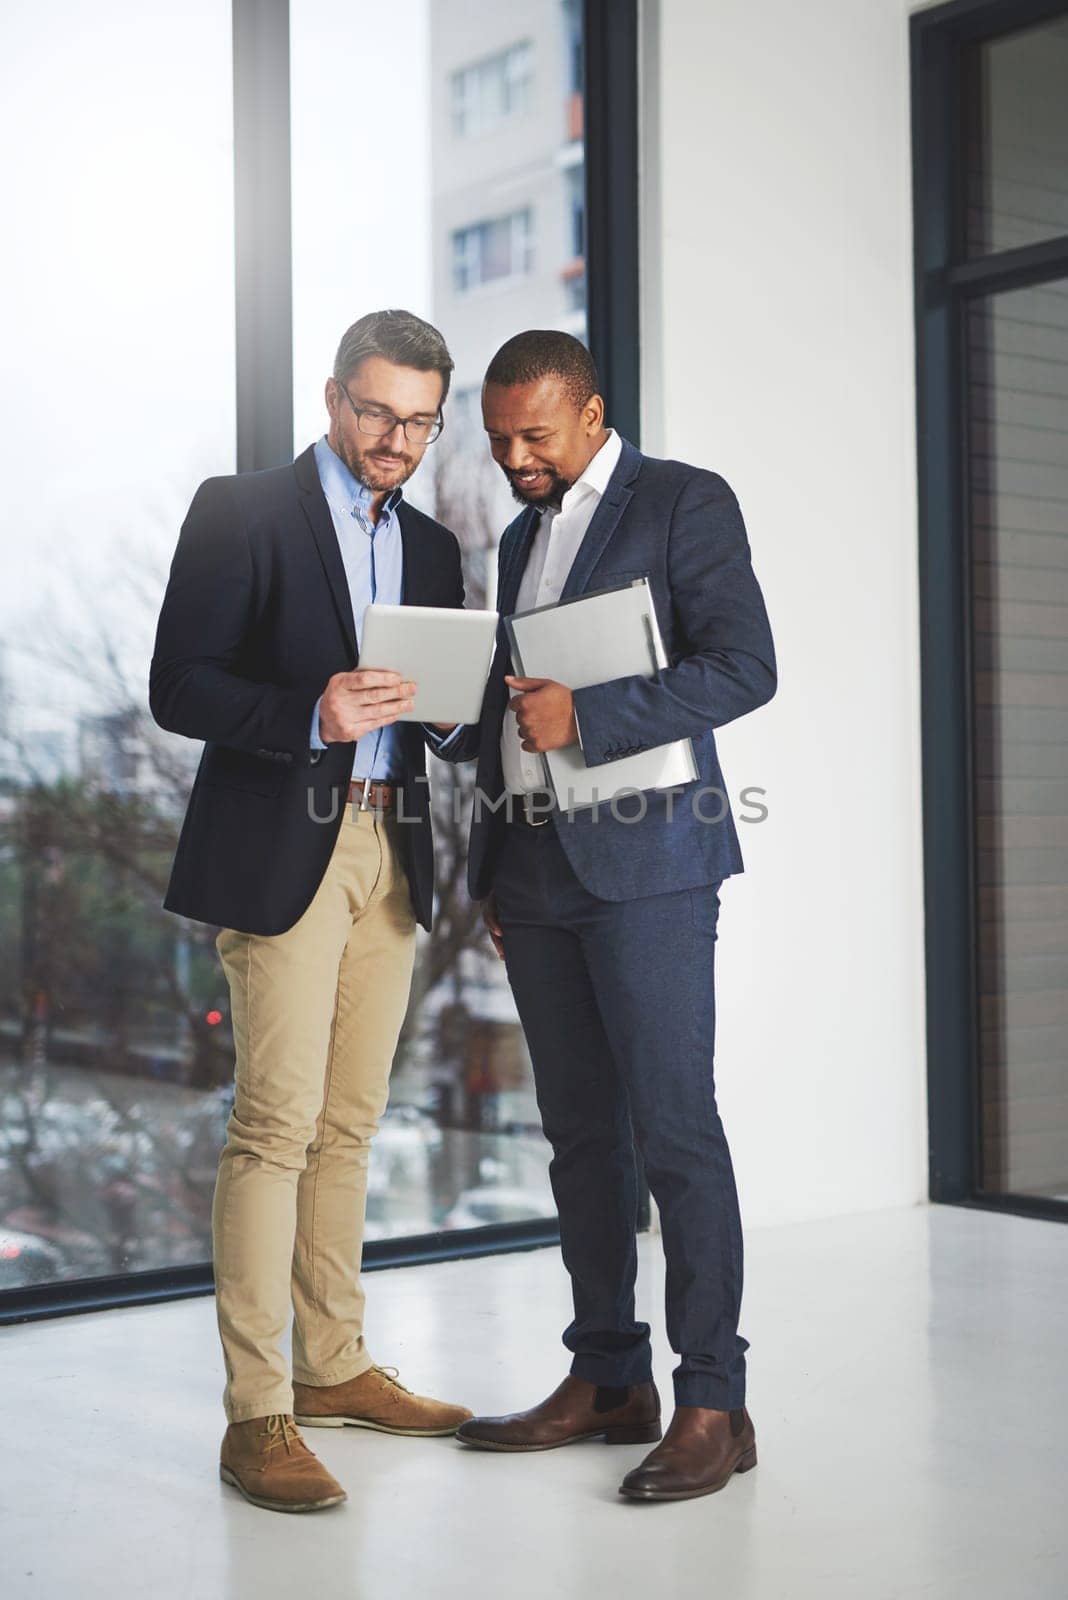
column 698, row 1454
column 268, row 1461
column 576, row 1410
column 375, row 1400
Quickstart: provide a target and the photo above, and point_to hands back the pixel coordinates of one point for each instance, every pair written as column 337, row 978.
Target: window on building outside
column 575, row 46
column 575, row 292
column 486, row 252
column 490, row 92
column 576, row 210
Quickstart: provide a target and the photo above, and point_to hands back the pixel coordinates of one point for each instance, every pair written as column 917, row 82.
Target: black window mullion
column 262, row 234
column 1024, row 268
column 611, row 139
column 944, row 616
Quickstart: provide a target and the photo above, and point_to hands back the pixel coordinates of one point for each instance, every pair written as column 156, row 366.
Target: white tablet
column 445, row 653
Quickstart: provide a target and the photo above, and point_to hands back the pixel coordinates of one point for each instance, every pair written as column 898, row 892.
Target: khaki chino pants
column 316, row 1014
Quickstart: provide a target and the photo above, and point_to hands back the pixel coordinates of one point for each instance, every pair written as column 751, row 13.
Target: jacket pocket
column 704, row 906
column 617, row 577
column 224, row 768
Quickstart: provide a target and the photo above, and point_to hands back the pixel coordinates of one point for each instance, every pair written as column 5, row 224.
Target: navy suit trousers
column 617, row 1001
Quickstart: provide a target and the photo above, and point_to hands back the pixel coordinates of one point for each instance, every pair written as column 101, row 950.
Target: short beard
column 553, row 495
column 365, row 471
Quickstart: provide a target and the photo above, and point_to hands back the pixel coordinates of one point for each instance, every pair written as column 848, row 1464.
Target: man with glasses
column 307, row 840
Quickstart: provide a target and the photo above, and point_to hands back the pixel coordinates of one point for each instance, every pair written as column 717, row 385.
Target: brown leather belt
column 371, row 795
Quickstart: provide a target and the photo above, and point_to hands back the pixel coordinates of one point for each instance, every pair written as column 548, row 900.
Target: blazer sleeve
column 460, row 745
column 728, row 662
column 209, row 609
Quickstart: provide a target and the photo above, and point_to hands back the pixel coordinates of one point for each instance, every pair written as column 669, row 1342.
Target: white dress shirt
column 552, row 553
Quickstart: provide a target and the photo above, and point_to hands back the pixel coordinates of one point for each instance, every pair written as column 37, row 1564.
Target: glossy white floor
column 908, row 1380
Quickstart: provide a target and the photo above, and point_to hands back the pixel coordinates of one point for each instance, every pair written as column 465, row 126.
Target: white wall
column 778, row 350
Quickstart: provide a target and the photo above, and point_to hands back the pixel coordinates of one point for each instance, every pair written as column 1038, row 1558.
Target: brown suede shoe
column 699, row 1453
column 576, row 1410
column 268, row 1461
column 375, row 1400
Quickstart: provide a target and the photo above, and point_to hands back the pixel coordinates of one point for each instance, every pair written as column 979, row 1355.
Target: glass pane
column 118, row 398
column 360, row 183
column 479, row 228
column 1017, row 181
column 1018, row 415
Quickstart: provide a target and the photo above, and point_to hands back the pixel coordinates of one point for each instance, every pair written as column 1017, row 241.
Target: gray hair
column 397, row 336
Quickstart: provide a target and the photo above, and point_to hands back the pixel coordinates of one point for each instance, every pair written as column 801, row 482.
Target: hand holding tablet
column 445, row 653
column 355, row 703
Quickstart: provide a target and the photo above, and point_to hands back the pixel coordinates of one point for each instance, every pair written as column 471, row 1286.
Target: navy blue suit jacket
column 681, row 527
column 256, row 619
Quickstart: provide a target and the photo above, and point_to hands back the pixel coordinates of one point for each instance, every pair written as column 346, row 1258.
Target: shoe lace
column 392, row 1375
column 280, row 1430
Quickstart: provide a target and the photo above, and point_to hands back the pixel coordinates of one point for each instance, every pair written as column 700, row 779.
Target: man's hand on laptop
column 355, row 703
column 545, row 712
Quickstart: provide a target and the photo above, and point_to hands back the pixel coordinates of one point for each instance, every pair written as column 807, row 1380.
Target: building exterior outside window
column 535, row 162
column 112, row 1059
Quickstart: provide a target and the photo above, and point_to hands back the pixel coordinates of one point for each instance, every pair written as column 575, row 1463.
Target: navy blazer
column 681, row 527
column 256, row 619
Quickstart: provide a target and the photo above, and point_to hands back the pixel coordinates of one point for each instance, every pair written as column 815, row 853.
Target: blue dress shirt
column 373, row 557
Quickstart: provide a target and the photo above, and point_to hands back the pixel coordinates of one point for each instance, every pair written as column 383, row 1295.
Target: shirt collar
column 597, row 474
column 346, row 494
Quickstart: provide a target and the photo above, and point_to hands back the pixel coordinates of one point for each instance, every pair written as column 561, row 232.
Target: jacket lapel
column 313, row 504
column 603, row 523
column 511, row 575
column 509, row 579
column 416, row 588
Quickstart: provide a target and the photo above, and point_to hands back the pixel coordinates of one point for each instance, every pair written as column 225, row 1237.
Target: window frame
column 945, row 281
column 264, row 384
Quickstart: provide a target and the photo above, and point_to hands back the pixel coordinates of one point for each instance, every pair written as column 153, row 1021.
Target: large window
column 992, row 215
column 115, row 1049
column 118, row 398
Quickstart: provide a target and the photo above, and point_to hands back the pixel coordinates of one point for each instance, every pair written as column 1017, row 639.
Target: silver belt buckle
column 528, row 810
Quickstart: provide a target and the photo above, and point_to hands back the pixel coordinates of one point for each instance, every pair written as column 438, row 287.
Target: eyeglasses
column 377, row 423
